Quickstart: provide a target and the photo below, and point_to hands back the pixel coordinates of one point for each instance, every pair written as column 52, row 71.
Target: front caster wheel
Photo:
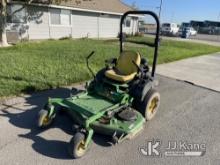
column 43, row 119
column 77, row 147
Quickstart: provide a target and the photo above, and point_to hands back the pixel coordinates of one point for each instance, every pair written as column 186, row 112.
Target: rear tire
column 149, row 106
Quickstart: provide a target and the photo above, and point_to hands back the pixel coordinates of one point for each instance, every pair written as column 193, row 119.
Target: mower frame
column 102, row 101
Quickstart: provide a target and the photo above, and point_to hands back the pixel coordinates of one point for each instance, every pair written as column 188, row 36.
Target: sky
column 179, row 11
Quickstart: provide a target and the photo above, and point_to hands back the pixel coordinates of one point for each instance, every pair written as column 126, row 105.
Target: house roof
column 104, row 6
column 115, row 6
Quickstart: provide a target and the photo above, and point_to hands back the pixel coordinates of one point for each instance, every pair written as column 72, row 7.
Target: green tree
column 3, row 16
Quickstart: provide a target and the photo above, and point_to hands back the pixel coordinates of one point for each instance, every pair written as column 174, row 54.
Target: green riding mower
column 117, row 102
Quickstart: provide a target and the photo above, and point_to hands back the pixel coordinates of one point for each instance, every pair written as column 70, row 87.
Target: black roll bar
column 157, row 39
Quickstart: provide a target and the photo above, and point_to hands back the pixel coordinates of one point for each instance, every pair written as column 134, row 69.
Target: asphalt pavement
column 206, row 37
column 213, row 40
column 187, row 113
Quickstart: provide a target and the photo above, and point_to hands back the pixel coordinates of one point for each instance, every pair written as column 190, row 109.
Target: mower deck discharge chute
column 117, row 102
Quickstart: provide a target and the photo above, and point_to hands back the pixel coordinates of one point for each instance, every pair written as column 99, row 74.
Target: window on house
column 128, row 22
column 16, row 14
column 60, row 17
column 65, row 17
column 55, row 16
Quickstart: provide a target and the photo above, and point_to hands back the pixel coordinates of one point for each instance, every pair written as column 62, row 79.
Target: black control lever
column 87, row 63
column 90, row 55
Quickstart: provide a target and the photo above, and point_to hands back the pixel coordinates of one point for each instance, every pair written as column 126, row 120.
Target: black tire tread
column 78, row 137
column 141, row 105
column 41, row 114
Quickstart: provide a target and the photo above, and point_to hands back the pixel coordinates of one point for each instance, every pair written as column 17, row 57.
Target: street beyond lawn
column 28, row 67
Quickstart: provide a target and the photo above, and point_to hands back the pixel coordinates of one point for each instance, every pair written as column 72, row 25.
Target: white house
column 76, row 19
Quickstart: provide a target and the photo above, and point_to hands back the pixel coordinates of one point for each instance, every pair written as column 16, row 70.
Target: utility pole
column 160, row 9
column 218, row 27
column 172, row 16
column 218, row 18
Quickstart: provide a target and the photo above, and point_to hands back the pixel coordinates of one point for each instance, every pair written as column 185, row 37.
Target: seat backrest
column 124, row 63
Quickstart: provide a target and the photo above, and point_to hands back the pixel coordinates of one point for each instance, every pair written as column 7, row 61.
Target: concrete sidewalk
column 202, row 71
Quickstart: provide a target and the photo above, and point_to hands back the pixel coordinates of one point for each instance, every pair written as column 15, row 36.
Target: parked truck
column 169, row 29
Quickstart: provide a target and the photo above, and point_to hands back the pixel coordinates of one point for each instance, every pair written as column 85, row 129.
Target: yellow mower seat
column 125, row 70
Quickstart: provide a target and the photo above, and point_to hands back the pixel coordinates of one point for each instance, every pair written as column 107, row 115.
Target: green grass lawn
column 29, row 67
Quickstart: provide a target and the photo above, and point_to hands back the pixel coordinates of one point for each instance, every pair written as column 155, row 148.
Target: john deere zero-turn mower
column 117, row 102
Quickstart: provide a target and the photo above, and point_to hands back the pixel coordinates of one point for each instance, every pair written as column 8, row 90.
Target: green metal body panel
column 93, row 104
column 119, row 126
column 89, row 108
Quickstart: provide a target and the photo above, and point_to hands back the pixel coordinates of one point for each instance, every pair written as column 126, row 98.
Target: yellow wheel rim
column 46, row 120
column 153, row 105
column 81, row 148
